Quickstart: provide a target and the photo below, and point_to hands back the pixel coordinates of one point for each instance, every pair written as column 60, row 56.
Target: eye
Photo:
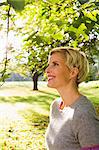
column 55, row 64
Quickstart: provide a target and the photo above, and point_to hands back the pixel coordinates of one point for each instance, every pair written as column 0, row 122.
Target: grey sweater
column 74, row 127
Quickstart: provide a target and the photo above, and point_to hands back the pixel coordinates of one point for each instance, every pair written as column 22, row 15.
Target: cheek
column 64, row 74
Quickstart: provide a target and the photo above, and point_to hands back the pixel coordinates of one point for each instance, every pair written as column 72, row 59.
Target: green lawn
column 24, row 113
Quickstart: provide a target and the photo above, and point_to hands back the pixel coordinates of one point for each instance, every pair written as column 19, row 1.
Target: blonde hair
column 74, row 58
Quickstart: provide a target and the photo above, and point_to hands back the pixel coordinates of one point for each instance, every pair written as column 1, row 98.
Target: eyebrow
column 55, row 62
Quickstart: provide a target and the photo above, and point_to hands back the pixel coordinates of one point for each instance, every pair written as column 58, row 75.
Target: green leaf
column 74, row 43
column 17, row 4
column 83, row 1
column 81, row 31
column 92, row 15
column 53, row 1
column 82, row 27
column 58, row 36
column 3, row 2
column 73, row 29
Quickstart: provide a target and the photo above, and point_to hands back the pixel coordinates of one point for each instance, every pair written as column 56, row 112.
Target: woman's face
column 57, row 72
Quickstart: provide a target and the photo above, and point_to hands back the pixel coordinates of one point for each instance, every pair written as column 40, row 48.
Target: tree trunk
column 35, row 81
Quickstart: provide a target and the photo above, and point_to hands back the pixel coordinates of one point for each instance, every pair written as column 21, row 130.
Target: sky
column 2, row 45
column 1, row 1
column 15, row 41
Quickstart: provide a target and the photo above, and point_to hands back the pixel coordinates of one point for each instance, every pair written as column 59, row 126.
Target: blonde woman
column 73, row 123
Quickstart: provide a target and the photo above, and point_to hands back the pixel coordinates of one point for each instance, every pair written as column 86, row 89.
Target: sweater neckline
column 77, row 101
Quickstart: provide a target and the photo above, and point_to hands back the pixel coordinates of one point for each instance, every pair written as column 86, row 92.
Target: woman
column 73, row 123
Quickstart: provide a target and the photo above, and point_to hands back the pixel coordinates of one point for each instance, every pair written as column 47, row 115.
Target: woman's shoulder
column 84, row 110
column 84, row 122
column 83, row 106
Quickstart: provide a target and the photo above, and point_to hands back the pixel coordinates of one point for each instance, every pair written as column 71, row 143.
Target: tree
column 17, row 5
column 49, row 23
column 59, row 23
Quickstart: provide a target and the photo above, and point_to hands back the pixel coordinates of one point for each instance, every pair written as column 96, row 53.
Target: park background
column 29, row 29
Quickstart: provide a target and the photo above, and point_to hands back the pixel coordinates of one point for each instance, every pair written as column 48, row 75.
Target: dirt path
column 12, row 126
column 8, row 113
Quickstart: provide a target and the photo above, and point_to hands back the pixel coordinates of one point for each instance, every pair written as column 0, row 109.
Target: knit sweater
column 73, row 127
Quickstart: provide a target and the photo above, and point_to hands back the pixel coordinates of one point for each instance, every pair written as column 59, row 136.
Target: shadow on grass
column 43, row 99
column 48, row 93
column 35, row 119
column 92, row 98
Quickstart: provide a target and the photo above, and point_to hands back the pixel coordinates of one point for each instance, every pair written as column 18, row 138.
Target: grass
column 24, row 113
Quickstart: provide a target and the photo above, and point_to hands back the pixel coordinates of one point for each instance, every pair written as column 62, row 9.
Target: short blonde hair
column 74, row 58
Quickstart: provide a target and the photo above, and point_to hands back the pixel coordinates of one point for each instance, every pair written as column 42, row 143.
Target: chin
column 50, row 85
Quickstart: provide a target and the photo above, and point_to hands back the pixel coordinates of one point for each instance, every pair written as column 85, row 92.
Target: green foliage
column 17, row 4
column 5, row 76
column 3, row 2
column 51, row 23
column 65, row 23
column 83, row 1
column 60, row 23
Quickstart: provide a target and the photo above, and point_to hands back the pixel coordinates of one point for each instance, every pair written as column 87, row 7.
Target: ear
column 74, row 72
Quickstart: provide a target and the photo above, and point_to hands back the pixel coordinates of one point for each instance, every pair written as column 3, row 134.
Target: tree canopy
column 60, row 23
column 47, row 24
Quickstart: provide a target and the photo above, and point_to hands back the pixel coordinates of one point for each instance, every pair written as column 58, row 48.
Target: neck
column 69, row 94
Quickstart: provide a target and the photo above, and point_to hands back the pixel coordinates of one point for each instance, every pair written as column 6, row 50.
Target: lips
column 50, row 77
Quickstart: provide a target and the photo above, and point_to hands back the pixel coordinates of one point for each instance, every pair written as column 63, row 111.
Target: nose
column 47, row 70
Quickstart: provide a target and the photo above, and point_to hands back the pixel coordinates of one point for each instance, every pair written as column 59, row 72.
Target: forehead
column 56, row 57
